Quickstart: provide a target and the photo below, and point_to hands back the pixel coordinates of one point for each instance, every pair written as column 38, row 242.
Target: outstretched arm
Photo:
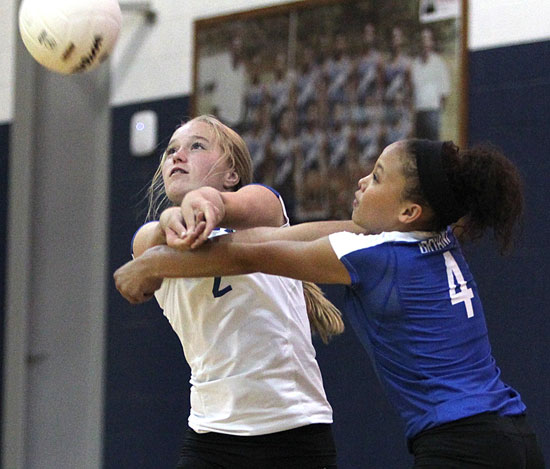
column 303, row 232
column 313, row 261
column 252, row 206
column 204, row 209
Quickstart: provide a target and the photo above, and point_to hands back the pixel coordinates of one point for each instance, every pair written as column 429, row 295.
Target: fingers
column 191, row 225
column 188, row 239
column 133, row 285
column 133, row 296
column 201, row 235
column 193, row 218
column 137, row 299
column 212, row 218
column 176, row 227
column 172, row 220
column 173, row 238
column 205, row 222
column 196, row 208
column 194, row 239
column 189, row 216
column 146, row 297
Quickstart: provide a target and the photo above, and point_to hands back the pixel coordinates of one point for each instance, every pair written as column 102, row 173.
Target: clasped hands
column 190, row 224
column 184, row 227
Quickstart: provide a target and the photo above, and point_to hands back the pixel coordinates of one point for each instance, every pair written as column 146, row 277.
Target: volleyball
column 69, row 36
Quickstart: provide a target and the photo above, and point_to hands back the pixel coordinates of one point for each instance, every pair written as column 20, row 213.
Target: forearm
column 302, row 232
column 251, row 206
column 210, row 260
column 310, row 261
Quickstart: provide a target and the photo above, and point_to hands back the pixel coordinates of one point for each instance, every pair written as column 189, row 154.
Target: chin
column 175, row 193
column 174, row 198
column 369, row 228
column 355, row 218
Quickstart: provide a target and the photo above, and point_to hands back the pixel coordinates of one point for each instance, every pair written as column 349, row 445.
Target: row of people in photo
column 362, row 84
column 293, row 158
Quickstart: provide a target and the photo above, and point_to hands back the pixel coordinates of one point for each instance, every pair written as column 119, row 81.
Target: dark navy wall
column 510, row 106
column 4, row 152
column 147, row 378
column 147, row 389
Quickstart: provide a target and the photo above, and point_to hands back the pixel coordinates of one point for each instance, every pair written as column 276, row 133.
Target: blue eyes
column 197, row 145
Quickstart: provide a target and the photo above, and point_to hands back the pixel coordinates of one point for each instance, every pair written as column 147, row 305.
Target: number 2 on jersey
column 465, row 294
column 216, row 288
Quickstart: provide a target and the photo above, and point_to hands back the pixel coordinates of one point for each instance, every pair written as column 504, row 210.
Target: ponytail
column 490, row 188
column 324, row 318
column 473, row 189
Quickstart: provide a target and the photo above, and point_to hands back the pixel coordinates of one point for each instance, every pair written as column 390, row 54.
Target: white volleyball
column 69, row 36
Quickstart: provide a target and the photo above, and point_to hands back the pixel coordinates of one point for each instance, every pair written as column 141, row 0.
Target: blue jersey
column 416, row 309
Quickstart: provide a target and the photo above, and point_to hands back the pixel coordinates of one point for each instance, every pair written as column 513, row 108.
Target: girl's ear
column 410, row 213
column 231, row 179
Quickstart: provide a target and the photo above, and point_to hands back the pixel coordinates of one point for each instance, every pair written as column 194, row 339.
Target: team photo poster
column 317, row 89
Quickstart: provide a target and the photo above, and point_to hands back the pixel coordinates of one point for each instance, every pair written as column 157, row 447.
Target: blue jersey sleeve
column 368, row 258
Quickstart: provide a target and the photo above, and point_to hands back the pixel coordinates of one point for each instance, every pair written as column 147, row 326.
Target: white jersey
column 248, row 343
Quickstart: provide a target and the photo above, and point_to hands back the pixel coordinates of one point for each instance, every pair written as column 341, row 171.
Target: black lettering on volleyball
column 68, row 51
column 46, row 40
column 88, row 59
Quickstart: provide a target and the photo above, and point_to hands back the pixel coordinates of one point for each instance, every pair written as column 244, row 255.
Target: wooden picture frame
column 318, row 88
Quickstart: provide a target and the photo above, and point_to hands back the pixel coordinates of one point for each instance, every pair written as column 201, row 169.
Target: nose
column 361, row 186
column 180, row 155
column 363, row 183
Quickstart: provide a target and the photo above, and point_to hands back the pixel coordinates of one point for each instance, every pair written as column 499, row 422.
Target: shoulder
column 271, row 198
column 257, row 188
column 344, row 243
column 254, row 205
column 142, row 238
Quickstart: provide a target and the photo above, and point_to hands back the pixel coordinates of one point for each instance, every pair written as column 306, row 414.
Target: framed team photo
column 318, row 89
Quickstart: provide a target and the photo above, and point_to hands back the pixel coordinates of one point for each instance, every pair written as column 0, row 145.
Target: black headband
column 434, row 182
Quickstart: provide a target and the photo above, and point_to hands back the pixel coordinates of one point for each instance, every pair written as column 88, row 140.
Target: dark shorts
column 481, row 441
column 308, row 447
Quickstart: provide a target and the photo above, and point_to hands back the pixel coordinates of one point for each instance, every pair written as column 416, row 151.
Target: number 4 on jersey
column 465, row 294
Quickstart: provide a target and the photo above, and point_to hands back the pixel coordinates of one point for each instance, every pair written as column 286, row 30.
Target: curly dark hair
column 486, row 184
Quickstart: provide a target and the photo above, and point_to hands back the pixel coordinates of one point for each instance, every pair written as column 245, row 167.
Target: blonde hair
column 233, row 150
column 325, row 319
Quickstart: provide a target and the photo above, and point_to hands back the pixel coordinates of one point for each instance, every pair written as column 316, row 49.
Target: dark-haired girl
column 412, row 299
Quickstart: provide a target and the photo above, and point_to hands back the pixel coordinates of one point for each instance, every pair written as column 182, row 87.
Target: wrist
column 150, row 262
